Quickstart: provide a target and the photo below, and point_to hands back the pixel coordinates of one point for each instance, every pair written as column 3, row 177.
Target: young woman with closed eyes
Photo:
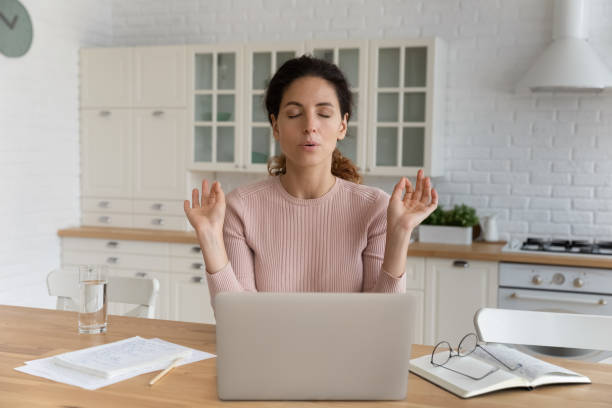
column 311, row 226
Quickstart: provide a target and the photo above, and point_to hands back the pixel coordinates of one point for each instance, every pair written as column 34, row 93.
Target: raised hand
column 206, row 214
column 405, row 213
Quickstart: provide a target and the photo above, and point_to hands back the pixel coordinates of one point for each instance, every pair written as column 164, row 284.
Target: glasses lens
column 467, row 345
column 441, row 353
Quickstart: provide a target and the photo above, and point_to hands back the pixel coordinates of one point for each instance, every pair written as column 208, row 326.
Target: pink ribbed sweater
column 279, row 243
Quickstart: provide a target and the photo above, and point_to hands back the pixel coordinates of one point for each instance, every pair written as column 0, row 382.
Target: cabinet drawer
column 165, row 222
column 107, row 220
column 114, row 246
column 159, row 207
column 186, row 250
column 116, row 261
column 106, row 205
column 188, row 265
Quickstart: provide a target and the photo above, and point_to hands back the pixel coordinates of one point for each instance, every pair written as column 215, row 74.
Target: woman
column 311, row 227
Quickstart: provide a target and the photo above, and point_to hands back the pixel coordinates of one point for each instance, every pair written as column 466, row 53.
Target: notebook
column 532, row 373
column 313, row 346
column 121, row 357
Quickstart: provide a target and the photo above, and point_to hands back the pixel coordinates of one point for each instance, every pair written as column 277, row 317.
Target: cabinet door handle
column 157, row 221
column 197, row 265
column 196, row 249
column 105, row 113
column 157, row 206
column 461, row 264
column 158, row 113
column 112, row 244
column 141, row 274
column 104, row 204
column 112, row 260
column 197, row 279
column 105, row 219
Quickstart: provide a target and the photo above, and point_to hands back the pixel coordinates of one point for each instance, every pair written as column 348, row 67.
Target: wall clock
column 15, row 29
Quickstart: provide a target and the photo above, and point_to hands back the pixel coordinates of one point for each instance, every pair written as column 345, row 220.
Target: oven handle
column 600, row 302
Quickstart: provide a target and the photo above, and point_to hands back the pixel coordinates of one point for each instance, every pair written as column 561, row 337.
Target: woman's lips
column 310, row 148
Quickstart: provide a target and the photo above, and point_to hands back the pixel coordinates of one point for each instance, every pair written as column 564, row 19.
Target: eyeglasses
column 443, row 352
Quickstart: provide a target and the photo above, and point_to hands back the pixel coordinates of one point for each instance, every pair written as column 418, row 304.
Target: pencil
column 167, row 370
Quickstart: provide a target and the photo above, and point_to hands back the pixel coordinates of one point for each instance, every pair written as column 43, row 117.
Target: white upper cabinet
column 106, row 151
column 352, row 59
column 159, row 170
column 214, row 80
column 159, row 77
column 406, row 106
column 106, row 77
column 262, row 61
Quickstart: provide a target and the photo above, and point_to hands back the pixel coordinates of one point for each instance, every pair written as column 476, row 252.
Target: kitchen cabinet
column 106, row 150
column 215, row 89
column 454, row 291
column 129, row 152
column 159, row 77
column 106, row 77
column 406, row 106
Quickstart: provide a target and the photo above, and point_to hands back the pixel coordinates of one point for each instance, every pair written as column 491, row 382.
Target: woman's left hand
column 405, row 213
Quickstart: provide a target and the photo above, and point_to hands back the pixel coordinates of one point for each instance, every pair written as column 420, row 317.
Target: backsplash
column 542, row 162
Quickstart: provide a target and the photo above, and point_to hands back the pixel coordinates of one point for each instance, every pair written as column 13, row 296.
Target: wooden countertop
column 477, row 251
column 28, row 334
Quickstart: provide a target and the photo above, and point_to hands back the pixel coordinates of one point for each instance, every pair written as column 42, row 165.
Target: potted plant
column 449, row 226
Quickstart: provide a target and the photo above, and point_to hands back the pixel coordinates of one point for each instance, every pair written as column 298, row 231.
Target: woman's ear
column 343, row 127
column 274, row 122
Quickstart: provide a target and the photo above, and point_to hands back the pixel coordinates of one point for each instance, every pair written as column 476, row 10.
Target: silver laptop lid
column 313, row 346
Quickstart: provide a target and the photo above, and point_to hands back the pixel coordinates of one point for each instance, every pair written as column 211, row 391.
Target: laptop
column 313, row 346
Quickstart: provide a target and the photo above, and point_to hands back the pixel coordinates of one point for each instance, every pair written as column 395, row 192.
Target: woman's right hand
column 206, row 214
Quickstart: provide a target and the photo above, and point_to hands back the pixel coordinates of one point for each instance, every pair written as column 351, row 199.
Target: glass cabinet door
column 401, row 96
column 262, row 63
column 215, row 93
column 351, row 58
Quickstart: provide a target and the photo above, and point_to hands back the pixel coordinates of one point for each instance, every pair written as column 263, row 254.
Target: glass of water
column 93, row 303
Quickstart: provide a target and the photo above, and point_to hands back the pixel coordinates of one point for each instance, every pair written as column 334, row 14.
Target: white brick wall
column 39, row 143
column 544, row 154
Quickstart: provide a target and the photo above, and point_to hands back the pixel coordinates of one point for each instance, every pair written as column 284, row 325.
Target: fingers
column 426, row 196
column 204, row 191
column 186, row 206
column 409, row 190
column 434, row 198
column 418, row 189
column 195, row 200
column 219, row 192
column 397, row 191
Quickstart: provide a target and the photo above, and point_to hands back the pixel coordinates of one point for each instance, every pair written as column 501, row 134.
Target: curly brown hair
column 300, row 67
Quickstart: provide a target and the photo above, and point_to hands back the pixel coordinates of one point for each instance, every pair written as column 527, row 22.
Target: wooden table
column 27, row 334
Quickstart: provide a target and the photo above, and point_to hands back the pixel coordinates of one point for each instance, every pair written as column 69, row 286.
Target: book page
column 461, row 385
column 115, row 358
column 532, row 368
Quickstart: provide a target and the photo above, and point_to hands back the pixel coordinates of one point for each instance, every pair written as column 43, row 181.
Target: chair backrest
column 582, row 331
column 141, row 292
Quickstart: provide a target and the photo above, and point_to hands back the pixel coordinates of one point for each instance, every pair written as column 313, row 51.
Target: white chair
column 141, row 292
column 570, row 330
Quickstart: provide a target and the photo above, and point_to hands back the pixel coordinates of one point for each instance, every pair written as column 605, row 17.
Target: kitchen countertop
column 482, row 251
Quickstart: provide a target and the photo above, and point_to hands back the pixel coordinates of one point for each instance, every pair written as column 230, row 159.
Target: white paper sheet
column 46, row 368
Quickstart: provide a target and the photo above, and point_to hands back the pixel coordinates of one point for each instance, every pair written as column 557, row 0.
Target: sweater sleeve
column 375, row 278
column 238, row 275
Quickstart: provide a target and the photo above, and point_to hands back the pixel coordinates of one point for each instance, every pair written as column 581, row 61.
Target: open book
column 532, row 373
column 121, row 357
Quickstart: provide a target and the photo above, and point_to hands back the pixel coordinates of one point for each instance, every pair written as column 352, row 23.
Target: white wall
column 39, row 143
column 542, row 162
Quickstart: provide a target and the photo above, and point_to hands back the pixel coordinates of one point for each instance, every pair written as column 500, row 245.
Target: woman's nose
column 311, row 124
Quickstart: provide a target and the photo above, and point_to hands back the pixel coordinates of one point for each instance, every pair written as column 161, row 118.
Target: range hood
column 569, row 64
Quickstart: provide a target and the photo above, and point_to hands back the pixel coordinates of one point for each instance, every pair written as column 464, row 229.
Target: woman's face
column 309, row 122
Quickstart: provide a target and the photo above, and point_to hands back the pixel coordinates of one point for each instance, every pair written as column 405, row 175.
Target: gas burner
column 567, row 246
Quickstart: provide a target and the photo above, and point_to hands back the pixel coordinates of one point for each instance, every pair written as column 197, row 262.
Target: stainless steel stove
column 581, row 247
column 554, row 288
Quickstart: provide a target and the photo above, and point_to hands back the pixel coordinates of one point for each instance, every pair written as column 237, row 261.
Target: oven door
column 559, row 302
